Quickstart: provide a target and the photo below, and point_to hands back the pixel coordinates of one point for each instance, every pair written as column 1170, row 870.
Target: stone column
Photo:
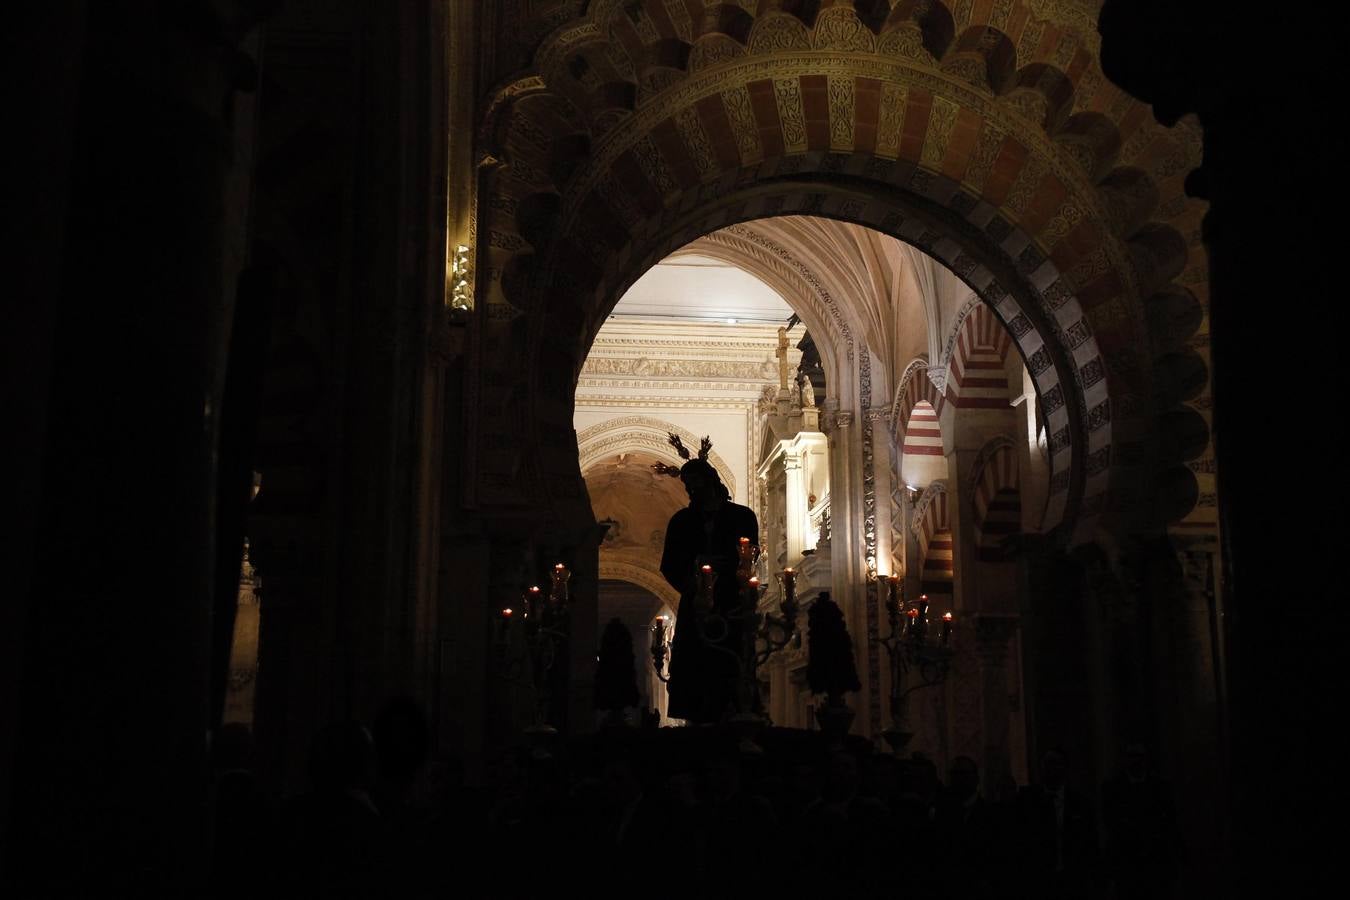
column 992, row 637
column 796, row 518
column 243, row 671
column 111, row 705
column 847, row 545
column 960, row 513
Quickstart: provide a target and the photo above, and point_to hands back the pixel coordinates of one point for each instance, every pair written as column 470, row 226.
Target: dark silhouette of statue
column 615, row 683
column 704, row 662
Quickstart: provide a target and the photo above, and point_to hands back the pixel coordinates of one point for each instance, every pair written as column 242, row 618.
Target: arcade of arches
column 409, row 295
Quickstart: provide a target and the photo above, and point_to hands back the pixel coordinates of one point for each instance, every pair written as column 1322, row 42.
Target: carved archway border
column 1061, row 117
column 985, row 482
column 643, row 577
column 1030, row 297
column 929, row 495
column 997, row 444
column 646, row 434
column 926, row 390
column 768, row 261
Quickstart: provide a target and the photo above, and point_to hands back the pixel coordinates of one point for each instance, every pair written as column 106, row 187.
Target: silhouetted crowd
column 634, row 811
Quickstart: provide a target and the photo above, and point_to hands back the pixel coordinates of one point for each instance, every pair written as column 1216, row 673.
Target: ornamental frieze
column 679, row 368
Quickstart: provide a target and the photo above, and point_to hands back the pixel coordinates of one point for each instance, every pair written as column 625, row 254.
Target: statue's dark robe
column 703, row 677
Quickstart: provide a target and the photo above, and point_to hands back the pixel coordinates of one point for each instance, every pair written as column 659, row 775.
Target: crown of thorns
column 704, row 448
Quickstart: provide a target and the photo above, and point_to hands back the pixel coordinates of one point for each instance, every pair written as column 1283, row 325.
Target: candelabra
column 916, row 661
column 761, row 635
column 547, row 628
column 660, row 649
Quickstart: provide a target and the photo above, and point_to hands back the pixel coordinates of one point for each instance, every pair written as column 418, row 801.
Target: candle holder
column 916, row 662
column 760, row 636
column 660, row 649
column 546, row 624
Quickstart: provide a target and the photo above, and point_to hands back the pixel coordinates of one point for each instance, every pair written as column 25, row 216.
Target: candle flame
column 946, row 617
column 707, row 568
column 506, row 613
column 913, row 613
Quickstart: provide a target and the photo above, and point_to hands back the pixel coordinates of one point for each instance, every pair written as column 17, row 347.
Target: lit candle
column 507, row 613
column 745, row 562
column 706, row 579
column 558, row 592
column 532, row 600
column 946, row 628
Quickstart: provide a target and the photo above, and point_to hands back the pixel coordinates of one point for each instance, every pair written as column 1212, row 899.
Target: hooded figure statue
column 704, row 657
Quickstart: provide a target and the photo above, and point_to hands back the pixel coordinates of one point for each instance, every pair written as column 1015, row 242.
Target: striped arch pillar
column 961, row 522
column 977, row 407
column 932, row 531
column 995, row 488
column 996, row 514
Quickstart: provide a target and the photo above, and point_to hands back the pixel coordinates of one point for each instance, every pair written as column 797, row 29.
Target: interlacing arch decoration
column 983, row 134
column 914, row 387
column 914, row 391
column 996, row 498
column 921, row 457
column 976, row 375
column 933, row 528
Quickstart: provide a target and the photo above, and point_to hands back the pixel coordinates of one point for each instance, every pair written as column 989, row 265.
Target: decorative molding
column 999, row 116
column 605, row 401
column 986, row 453
column 1078, row 15
column 870, row 538
column 634, row 573
column 930, row 494
column 643, row 433
column 839, row 28
column 969, row 307
column 647, row 367
column 749, row 388
column 788, row 66
column 802, row 273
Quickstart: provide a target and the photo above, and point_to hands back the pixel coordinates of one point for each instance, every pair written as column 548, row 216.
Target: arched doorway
column 983, row 135
column 928, row 123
